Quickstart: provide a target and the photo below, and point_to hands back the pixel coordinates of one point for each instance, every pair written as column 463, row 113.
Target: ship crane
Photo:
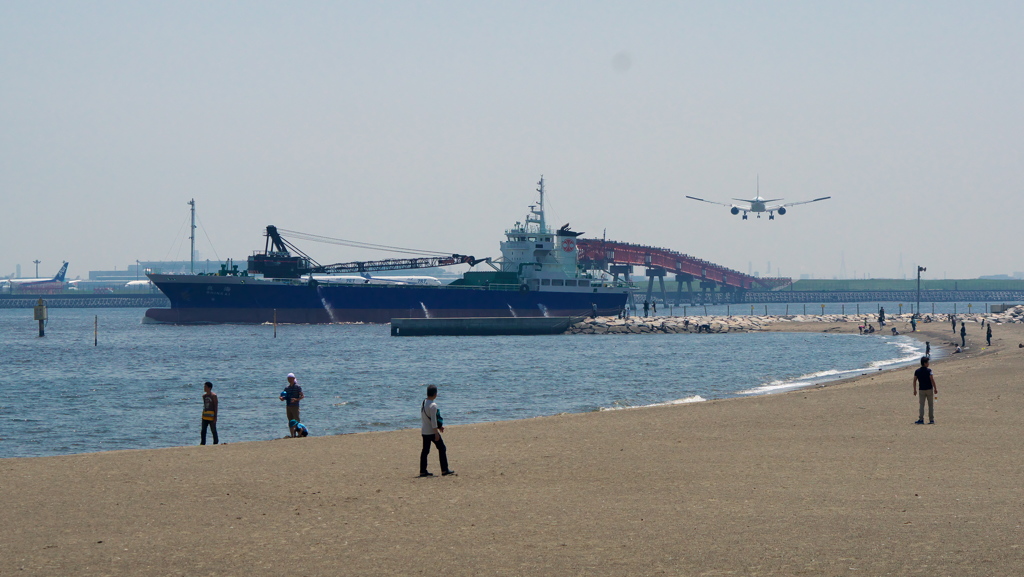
column 277, row 259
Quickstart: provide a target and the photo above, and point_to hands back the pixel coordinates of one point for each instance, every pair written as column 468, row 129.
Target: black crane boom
column 277, row 261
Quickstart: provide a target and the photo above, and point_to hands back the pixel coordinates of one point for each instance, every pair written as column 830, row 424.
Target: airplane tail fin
column 60, row 274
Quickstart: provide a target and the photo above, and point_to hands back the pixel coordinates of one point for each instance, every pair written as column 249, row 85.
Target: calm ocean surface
column 142, row 386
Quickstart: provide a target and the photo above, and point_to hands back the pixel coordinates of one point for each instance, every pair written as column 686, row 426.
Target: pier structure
column 620, row 258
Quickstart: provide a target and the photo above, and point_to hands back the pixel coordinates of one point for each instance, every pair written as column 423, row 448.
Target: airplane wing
column 788, row 204
column 758, row 200
column 710, row 201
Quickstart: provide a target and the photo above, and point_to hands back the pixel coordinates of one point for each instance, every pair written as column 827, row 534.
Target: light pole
column 37, row 267
column 920, row 269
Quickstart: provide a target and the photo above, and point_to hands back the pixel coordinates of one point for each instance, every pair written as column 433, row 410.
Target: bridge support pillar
column 623, row 269
column 705, row 285
column 680, row 279
column 658, row 273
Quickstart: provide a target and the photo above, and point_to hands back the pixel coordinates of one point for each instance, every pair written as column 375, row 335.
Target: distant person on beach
column 647, row 307
column 291, row 395
column 913, row 324
column 924, row 381
column 988, row 334
column 927, row 348
column 654, row 307
column 952, row 319
column 209, row 414
column 881, row 317
column 300, row 429
column 894, row 331
column 433, row 426
column 963, row 334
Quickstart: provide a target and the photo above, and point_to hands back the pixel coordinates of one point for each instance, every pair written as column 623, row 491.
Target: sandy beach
column 835, row 480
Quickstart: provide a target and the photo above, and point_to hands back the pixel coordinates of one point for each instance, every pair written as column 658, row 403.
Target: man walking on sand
column 963, row 334
column 209, row 413
column 928, row 390
column 433, row 426
column 291, row 395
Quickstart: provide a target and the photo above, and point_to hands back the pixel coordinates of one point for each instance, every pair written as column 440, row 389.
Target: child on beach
column 299, row 428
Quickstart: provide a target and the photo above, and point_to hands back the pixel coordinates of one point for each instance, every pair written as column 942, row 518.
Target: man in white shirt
column 433, row 426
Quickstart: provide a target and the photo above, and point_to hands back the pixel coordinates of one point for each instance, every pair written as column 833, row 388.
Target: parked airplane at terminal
column 759, row 205
column 36, row 284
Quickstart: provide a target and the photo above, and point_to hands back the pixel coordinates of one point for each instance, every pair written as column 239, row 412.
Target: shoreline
column 820, row 481
column 791, row 384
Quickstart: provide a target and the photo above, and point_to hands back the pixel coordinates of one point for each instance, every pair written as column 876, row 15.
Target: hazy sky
column 427, row 124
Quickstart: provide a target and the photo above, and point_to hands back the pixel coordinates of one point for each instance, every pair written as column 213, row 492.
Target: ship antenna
column 540, row 189
column 192, row 237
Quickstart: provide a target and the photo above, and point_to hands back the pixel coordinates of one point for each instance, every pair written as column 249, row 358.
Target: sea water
column 141, row 386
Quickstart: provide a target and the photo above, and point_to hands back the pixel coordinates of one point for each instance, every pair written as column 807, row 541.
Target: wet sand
column 827, row 481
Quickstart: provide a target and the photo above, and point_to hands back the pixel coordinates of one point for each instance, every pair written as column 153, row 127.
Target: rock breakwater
column 750, row 323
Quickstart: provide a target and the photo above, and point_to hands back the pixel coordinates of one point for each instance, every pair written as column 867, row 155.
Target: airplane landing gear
column 771, row 216
column 744, row 216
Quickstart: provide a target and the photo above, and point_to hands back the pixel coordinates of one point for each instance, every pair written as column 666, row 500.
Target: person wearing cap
column 300, row 429
column 291, row 395
column 209, row 413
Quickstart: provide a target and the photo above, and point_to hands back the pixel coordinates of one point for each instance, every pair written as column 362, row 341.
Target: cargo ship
column 537, row 275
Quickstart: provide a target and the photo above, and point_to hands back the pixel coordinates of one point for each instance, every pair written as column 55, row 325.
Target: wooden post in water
column 765, row 310
column 39, row 314
column 96, row 331
column 275, row 323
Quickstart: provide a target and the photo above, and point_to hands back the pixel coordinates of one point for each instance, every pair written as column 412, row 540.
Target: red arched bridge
column 620, row 257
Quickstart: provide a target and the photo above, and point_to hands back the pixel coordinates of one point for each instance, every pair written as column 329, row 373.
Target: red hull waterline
column 322, row 316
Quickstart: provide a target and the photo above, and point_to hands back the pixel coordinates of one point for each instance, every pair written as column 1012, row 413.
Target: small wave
column 683, row 401
column 904, row 345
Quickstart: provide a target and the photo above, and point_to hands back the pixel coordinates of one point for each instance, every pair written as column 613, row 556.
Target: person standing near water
column 209, row 413
column 928, row 390
column 963, row 334
column 433, row 426
column 291, row 395
column 988, row 334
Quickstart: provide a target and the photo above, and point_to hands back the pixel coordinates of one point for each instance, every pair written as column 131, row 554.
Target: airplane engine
column 734, row 210
column 782, row 210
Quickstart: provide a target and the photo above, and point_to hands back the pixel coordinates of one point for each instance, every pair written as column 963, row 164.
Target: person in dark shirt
column 988, row 334
column 209, row 413
column 291, row 395
column 925, row 382
column 963, row 334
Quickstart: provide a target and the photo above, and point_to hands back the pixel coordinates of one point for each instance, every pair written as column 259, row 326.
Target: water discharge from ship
column 511, row 310
column 327, row 305
column 426, row 313
column 543, row 309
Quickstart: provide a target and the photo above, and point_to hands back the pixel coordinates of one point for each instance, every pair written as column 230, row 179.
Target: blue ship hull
column 211, row 299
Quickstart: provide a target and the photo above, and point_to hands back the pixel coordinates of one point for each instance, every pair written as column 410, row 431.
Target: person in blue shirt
column 299, row 428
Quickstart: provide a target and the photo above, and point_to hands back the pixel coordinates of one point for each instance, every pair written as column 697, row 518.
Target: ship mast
column 539, row 212
column 192, row 237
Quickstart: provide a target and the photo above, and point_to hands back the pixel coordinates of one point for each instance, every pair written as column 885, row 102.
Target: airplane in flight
column 759, row 205
column 34, row 284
